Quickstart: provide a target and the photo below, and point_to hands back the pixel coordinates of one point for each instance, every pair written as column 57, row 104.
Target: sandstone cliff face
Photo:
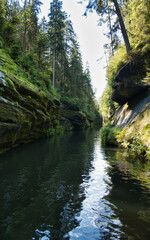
column 131, row 81
column 25, row 114
column 132, row 91
column 131, row 110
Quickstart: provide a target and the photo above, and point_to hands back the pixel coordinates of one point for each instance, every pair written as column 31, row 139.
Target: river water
column 69, row 187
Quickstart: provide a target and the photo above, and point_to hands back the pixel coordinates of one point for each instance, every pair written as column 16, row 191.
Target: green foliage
column 109, row 134
column 137, row 146
column 30, row 45
column 50, row 132
column 138, row 24
column 133, row 142
column 123, row 139
column 10, row 83
column 54, row 130
column 147, row 155
column 59, row 130
column 137, row 15
column 56, row 37
column 107, row 107
column 71, row 103
column 15, row 50
column 115, row 64
column 1, row 42
column 145, row 128
column 17, row 104
column 13, row 70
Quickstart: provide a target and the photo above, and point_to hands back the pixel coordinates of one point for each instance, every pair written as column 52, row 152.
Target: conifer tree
column 3, row 4
column 30, row 12
column 56, row 34
column 75, row 70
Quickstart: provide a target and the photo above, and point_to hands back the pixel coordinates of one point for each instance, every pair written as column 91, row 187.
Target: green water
column 69, row 187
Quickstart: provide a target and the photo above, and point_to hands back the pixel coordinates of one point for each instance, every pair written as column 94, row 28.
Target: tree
column 107, row 16
column 56, row 32
column 75, row 70
column 101, row 6
column 3, row 4
column 42, row 42
column 106, row 106
column 122, row 25
column 9, row 26
column 30, row 11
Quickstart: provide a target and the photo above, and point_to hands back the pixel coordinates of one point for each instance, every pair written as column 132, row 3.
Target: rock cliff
column 130, row 81
column 27, row 114
column 132, row 91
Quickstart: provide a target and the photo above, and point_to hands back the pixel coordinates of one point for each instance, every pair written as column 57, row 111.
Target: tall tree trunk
column 111, row 37
column 54, row 59
column 24, row 35
column 123, row 29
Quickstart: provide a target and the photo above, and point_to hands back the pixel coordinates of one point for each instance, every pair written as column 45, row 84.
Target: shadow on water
column 68, row 187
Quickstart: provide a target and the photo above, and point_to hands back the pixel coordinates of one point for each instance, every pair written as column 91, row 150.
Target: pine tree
column 56, row 34
column 75, row 70
column 3, row 8
column 30, row 12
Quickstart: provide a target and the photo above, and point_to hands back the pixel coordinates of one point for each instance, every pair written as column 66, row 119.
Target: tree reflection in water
column 129, row 193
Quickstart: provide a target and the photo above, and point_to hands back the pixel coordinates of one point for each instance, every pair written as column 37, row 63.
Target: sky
column 90, row 38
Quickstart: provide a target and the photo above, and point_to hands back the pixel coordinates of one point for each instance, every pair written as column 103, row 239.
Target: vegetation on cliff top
column 43, row 54
column 136, row 15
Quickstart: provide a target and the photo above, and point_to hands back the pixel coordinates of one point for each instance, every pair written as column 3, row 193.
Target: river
column 69, row 187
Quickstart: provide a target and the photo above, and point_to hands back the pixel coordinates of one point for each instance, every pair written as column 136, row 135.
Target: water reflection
column 40, row 186
column 129, row 193
column 68, row 187
column 97, row 217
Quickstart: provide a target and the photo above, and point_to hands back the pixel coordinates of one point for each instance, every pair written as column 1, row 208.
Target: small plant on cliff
column 50, row 132
column 10, row 83
column 137, row 146
column 133, row 142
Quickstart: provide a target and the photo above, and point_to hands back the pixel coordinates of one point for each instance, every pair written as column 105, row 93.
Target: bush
column 115, row 64
column 1, row 42
column 109, row 134
column 133, row 142
column 70, row 102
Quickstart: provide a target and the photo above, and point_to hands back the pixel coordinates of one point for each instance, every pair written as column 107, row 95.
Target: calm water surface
column 69, row 187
